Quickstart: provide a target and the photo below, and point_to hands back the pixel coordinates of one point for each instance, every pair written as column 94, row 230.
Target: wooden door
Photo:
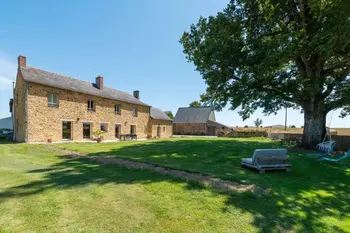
column 211, row 131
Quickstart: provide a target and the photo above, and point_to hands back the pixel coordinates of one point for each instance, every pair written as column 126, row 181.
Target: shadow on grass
column 312, row 198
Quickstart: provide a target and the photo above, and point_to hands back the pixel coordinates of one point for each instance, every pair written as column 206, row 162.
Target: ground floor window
column 104, row 127
column 132, row 129
column 67, row 130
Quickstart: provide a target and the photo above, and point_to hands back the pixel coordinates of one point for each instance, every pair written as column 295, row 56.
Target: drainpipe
column 26, row 137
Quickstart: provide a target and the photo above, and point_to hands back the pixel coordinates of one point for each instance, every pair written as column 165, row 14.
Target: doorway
column 117, row 130
column 132, row 129
column 211, row 131
column 159, row 130
column 67, row 130
column 86, row 130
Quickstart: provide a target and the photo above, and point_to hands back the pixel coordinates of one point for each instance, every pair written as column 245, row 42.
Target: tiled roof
column 193, row 115
column 158, row 114
column 34, row 75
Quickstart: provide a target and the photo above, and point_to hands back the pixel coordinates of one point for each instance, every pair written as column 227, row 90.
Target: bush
column 246, row 126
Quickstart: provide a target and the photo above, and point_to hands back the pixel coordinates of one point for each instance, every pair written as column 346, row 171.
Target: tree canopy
column 170, row 114
column 276, row 54
column 258, row 122
column 195, row 104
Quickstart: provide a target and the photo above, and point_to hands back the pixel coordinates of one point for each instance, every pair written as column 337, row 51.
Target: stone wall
column 342, row 141
column 166, row 128
column 46, row 122
column 20, row 109
column 190, row 128
column 221, row 130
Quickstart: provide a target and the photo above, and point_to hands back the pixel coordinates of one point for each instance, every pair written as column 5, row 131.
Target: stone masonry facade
column 190, row 128
column 161, row 128
column 20, row 107
column 45, row 123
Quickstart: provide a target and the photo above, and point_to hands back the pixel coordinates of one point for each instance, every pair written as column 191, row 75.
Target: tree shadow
column 80, row 171
column 314, row 197
column 304, row 200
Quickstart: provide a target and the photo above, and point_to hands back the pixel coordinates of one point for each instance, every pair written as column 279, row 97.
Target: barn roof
column 193, row 115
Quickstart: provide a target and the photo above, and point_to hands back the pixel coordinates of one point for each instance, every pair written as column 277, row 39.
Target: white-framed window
column 91, row 105
column 134, row 111
column 104, row 127
column 52, row 99
column 117, row 109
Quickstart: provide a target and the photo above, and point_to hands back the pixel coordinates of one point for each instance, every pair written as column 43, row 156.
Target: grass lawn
column 43, row 192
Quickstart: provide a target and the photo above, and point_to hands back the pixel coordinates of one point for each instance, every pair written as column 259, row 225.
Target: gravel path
column 222, row 185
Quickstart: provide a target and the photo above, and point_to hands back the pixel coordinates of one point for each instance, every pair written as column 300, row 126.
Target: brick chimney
column 22, row 61
column 99, row 82
column 137, row 94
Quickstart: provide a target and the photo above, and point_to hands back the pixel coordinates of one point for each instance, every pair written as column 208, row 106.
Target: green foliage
column 195, row 104
column 170, row 114
column 258, row 122
column 292, row 126
column 99, row 133
column 275, row 54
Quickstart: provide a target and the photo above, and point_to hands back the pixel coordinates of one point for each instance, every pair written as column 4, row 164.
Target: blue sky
column 132, row 44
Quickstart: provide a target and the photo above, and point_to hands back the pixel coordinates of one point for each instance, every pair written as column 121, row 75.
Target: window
column 117, row 109
column 91, row 106
column 163, row 128
column 134, row 111
column 52, row 99
column 132, row 129
column 104, row 127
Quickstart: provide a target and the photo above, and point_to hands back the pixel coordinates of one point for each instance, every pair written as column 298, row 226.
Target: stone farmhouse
column 198, row 121
column 53, row 107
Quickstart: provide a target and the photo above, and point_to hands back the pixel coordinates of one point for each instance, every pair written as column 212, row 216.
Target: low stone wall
column 246, row 134
column 342, row 141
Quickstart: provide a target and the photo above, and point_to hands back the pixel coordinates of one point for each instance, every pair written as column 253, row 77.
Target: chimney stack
column 137, row 94
column 99, row 82
column 22, row 61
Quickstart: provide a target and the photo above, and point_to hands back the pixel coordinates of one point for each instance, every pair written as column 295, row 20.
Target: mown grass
column 314, row 197
column 43, row 192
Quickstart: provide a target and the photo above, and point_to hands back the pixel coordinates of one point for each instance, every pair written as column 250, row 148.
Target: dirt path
column 222, row 185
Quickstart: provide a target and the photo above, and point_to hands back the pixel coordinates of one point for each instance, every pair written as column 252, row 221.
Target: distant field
column 340, row 131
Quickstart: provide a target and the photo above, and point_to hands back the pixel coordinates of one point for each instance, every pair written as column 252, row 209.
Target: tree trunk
column 314, row 125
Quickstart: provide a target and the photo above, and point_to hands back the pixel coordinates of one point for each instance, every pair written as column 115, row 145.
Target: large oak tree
column 273, row 54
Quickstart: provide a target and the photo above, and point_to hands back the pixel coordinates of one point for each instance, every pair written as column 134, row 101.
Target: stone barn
column 198, row 121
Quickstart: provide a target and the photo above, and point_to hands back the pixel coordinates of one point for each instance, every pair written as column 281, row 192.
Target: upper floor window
column 91, row 106
column 134, row 111
column 117, row 109
column 104, row 127
column 52, row 99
